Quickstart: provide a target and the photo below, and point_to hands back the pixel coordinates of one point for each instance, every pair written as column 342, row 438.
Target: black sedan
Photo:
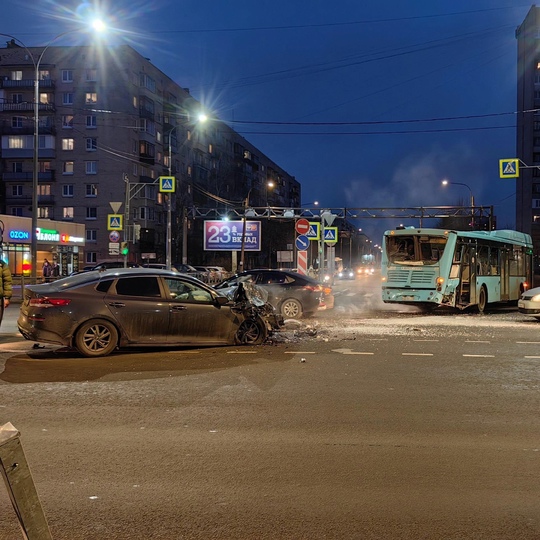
column 96, row 312
column 293, row 295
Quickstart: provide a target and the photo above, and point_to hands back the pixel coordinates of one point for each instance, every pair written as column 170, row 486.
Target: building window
column 91, row 97
column 67, row 75
column 44, row 190
column 44, row 166
column 16, row 75
column 91, row 74
column 44, row 212
column 91, row 167
column 67, row 121
column 46, row 98
column 67, row 212
column 67, row 190
column 68, row 167
column 16, row 166
column 91, row 144
column 17, row 122
column 91, row 235
column 17, row 191
column 91, row 121
column 17, row 211
column 91, row 212
column 44, row 75
column 16, row 98
column 67, row 98
column 91, row 190
column 91, row 257
column 68, row 144
column 20, row 142
column 147, row 82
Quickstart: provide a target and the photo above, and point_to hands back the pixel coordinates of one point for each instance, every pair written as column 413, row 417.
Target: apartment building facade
column 528, row 127
column 110, row 124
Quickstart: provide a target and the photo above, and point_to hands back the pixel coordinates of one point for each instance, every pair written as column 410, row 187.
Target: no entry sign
column 302, row 226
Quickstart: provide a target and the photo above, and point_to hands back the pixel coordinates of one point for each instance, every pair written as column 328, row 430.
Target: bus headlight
column 440, row 281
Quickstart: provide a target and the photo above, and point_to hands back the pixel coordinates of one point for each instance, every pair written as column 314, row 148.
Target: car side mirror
column 221, row 300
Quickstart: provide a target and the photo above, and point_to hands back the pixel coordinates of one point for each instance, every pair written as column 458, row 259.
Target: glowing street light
column 447, row 182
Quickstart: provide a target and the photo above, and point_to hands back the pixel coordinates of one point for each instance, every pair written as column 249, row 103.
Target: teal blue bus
column 460, row 269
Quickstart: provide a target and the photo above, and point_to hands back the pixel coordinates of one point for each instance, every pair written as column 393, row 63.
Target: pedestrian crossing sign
column 166, row 184
column 314, row 232
column 330, row 235
column 509, row 168
column 115, row 222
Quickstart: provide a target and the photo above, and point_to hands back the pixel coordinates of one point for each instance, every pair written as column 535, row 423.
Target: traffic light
column 124, row 248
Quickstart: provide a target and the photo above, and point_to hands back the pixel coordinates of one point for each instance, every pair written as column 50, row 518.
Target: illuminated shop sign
column 45, row 235
column 19, row 235
column 66, row 238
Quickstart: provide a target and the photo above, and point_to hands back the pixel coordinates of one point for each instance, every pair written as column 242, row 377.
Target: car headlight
column 535, row 298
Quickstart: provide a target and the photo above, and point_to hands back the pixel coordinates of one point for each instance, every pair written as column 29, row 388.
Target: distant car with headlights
column 96, row 312
column 529, row 303
column 365, row 271
column 346, row 273
column 293, row 295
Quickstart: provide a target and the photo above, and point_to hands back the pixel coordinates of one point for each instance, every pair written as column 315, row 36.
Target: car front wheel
column 251, row 332
column 291, row 309
column 96, row 338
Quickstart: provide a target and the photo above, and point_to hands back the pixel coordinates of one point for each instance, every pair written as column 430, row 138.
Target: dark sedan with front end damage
column 96, row 312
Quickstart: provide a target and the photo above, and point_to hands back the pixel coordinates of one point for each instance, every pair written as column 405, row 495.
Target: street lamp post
column 447, row 182
column 201, row 118
column 243, row 243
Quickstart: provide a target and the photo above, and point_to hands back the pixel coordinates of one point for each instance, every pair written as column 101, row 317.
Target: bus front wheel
column 482, row 299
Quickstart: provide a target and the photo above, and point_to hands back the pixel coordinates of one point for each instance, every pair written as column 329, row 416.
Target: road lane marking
column 425, row 340
column 300, row 352
column 480, row 355
column 528, row 342
column 531, row 356
column 476, row 341
column 415, row 354
column 242, row 352
column 350, row 351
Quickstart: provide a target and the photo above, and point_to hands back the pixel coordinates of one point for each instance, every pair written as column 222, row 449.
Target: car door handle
column 117, row 304
column 179, row 308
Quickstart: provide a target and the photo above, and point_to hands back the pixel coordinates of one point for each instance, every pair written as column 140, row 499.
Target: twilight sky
column 366, row 103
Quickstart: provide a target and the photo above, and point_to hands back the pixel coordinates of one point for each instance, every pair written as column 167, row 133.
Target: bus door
column 505, row 274
column 467, row 276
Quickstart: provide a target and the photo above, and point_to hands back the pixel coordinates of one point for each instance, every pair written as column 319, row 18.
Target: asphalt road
column 386, row 424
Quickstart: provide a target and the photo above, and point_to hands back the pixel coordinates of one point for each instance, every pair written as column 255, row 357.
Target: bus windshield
column 415, row 250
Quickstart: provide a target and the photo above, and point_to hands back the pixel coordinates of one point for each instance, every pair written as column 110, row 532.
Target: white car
column 529, row 303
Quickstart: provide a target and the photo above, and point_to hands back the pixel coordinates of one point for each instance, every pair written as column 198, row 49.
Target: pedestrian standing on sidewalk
column 6, row 288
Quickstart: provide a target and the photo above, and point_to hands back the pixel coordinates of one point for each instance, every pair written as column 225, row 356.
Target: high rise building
column 528, row 126
column 110, row 124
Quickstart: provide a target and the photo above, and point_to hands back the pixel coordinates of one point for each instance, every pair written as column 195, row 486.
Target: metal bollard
column 20, row 486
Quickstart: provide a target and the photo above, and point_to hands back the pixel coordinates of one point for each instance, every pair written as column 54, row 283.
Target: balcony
column 26, row 83
column 48, row 176
column 25, row 107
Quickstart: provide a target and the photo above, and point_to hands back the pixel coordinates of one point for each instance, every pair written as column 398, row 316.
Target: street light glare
column 99, row 25
column 202, row 117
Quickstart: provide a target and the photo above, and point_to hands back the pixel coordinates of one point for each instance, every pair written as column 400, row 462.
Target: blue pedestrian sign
column 302, row 242
column 330, row 235
column 115, row 222
column 314, row 232
column 166, row 184
column 509, row 168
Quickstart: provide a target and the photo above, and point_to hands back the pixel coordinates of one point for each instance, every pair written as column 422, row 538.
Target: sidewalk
column 8, row 330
